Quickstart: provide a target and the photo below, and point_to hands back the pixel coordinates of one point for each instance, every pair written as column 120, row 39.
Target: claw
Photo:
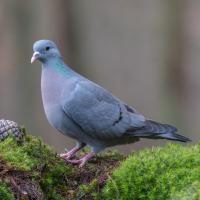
column 67, row 156
column 74, row 161
column 70, row 154
column 81, row 162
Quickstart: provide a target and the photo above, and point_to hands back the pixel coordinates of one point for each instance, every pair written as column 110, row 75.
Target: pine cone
column 9, row 127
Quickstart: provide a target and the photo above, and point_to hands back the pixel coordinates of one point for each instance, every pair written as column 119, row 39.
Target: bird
column 88, row 113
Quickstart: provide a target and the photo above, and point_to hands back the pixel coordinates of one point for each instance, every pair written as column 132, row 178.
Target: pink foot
column 72, row 152
column 81, row 162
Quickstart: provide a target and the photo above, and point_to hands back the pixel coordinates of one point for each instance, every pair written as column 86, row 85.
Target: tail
column 155, row 130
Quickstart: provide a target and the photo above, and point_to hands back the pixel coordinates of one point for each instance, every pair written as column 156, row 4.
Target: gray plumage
column 87, row 112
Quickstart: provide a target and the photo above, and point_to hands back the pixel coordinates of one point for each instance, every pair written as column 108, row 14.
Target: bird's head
column 44, row 50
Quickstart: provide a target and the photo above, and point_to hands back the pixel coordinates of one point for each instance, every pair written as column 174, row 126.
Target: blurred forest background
column 147, row 52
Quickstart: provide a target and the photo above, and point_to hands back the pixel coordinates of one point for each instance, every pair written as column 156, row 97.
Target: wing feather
column 98, row 112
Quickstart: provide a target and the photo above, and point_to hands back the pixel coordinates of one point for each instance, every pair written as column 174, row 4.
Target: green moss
column 93, row 176
column 190, row 192
column 26, row 154
column 32, row 156
column 15, row 154
column 155, row 173
column 171, row 172
column 54, row 179
column 35, row 165
column 5, row 192
column 89, row 191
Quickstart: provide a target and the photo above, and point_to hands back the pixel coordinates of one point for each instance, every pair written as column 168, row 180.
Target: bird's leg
column 73, row 151
column 81, row 162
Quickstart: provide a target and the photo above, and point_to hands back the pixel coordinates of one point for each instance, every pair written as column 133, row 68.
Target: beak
column 35, row 56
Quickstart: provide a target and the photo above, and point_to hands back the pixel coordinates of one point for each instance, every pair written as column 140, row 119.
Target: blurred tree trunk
column 191, row 65
column 175, row 80
column 145, row 52
column 14, row 79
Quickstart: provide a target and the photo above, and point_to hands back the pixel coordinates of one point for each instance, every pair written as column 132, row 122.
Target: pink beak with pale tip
column 35, row 56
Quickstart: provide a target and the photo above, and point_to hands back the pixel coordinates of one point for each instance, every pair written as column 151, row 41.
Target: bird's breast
column 51, row 91
column 51, row 87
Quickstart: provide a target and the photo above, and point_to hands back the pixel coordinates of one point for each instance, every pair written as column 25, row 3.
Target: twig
column 13, row 182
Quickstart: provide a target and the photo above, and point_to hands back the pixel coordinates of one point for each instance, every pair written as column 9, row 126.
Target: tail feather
column 155, row 130
column 177, row 137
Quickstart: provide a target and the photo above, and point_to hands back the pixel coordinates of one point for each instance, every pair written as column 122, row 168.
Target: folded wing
column 98, row 113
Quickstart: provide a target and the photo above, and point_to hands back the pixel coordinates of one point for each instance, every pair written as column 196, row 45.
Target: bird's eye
column 47, row 48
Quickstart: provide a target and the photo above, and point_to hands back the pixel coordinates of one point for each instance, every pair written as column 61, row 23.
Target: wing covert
column 96, row 111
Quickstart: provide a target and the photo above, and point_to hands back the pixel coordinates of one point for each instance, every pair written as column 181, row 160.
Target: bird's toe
column 74, row 161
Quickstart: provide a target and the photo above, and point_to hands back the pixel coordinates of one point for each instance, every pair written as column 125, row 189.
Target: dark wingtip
column 181, row 138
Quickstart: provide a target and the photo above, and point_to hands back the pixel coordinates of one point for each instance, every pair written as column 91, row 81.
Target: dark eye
column 47, row 48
